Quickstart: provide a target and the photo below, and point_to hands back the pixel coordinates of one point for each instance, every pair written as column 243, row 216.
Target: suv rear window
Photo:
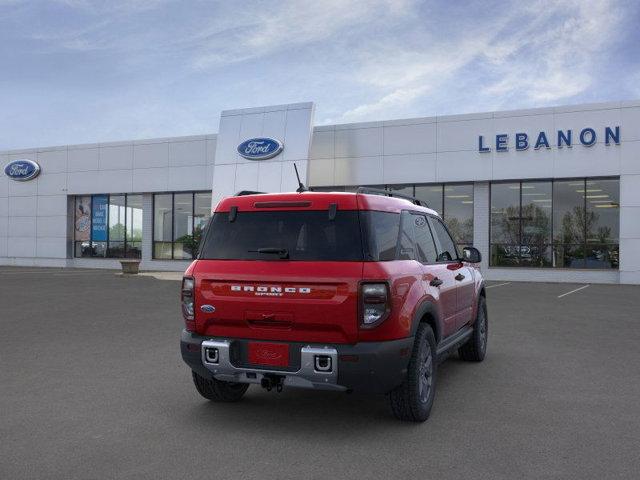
column 304, row 235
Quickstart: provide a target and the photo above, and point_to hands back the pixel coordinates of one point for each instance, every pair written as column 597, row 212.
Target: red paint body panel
column 328, row 314
column 318, row 302
column 319, row 201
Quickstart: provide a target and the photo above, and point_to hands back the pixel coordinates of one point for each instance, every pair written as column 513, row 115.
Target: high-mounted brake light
column 188, row 284
column 374, row 303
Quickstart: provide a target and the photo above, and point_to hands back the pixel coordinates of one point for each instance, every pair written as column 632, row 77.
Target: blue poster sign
column 99, row 207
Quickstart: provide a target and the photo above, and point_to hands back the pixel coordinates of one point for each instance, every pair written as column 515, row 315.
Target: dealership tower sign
column 564, row 138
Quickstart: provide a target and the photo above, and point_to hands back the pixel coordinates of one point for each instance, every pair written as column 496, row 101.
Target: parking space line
column 573, row 291
column 56, row 273
column 498, row 285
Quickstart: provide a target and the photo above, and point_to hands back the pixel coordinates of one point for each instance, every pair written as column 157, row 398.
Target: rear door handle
column 459, row 277
column 436, row 282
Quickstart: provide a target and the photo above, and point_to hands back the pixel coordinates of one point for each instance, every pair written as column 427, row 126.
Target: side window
column 424, row 240
column 446, row 246
column 383, row 234
column 406, row 240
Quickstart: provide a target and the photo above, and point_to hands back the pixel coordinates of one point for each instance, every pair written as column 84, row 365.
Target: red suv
column 357, row 291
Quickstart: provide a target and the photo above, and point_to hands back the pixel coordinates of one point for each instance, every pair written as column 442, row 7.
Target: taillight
column 375, row 303
column 186, row 298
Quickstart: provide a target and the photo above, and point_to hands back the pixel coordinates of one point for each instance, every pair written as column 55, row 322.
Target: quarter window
column 406, row 250
column 384, row 229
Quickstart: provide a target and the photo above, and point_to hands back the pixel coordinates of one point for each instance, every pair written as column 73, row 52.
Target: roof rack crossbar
column 390, row 193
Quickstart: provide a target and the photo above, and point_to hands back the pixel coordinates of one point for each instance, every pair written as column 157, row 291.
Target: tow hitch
column 270, row 381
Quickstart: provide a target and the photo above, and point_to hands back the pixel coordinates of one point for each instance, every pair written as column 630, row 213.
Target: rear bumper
column 372, row 367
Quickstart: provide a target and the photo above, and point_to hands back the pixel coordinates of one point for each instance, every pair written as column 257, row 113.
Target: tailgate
column 311, row 302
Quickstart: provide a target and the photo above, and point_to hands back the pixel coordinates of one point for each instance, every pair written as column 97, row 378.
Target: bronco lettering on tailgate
column 269, row 290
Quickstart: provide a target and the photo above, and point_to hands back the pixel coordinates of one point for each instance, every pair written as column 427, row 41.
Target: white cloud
column 288, row 24
column 158, row 68
column 544, row 52
column 554, row 63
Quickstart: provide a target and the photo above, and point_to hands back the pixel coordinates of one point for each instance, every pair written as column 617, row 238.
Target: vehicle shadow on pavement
column 318, row 412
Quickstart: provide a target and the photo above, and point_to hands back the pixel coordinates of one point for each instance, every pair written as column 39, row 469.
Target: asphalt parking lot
column 92, row 386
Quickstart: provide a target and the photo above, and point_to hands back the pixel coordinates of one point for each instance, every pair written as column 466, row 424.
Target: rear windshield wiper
column 283, row 253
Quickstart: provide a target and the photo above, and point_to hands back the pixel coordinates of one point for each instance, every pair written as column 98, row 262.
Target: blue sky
column 76, row 71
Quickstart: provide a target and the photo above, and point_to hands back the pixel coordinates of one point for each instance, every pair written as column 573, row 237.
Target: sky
column 80, row 71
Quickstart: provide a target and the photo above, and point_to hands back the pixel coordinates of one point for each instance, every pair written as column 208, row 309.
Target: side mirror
column 471, row 255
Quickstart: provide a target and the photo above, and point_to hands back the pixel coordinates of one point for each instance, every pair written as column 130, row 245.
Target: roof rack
column 389, row 193
column 242, row 193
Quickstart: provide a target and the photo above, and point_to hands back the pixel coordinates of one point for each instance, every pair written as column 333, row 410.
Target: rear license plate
column 270, row 354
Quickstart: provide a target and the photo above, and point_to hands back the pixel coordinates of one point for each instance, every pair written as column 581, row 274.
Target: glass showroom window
column 566, row 224
column 586, row 223
column 108, row 226
column 454, row 203
column 178, row 221
column 521, row 224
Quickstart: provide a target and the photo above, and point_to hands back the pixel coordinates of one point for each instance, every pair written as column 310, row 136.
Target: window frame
column 196, row 253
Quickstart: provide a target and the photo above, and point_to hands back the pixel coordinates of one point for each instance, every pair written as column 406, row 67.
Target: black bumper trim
column 369, row 367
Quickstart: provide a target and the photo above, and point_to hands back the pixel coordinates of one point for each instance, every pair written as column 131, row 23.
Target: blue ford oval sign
column 22, row 170
column 260, row 148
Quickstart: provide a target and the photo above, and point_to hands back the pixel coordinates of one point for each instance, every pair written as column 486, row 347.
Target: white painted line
column 573, row 291
column 498, row 285
column 56, row 273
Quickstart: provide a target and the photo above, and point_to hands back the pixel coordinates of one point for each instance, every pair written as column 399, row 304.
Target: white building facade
column 549, row 194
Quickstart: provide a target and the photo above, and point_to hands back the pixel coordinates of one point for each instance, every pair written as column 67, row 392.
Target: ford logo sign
column 22, row 170
column 260, row 148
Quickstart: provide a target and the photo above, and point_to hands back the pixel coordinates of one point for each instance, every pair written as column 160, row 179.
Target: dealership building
column 547, row 194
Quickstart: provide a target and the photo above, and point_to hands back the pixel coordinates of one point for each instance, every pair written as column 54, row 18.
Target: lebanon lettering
column 562, row 139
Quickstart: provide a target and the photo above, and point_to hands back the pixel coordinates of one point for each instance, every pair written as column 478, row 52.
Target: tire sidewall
column 425, row 339
column 482, row 311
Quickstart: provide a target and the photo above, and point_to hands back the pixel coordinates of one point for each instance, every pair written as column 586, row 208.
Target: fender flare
column 427, row 307
column 480, row 292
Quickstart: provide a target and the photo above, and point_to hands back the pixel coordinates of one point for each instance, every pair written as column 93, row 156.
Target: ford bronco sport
column 357, row 291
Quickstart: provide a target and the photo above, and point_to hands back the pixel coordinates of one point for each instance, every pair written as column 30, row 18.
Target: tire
column 475, row 348
column 218, row 391
column 412, row 401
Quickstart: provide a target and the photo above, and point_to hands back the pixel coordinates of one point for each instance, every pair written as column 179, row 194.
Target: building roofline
column 569, row 108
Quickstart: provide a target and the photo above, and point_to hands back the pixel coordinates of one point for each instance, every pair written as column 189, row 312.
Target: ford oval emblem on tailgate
column 208, row 308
